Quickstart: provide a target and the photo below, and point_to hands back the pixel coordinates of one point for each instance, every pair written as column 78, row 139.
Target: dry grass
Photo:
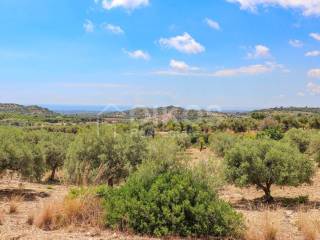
column 308, row 224
column 84, row 211
column 263, row 229
column 14, row 202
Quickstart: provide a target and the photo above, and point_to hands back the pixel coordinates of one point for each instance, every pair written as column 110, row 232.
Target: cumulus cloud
column 312, row 54
column 183, row 43
column 296, row 43
column 212, row 24
column 181, row 66
column 315, row 36
column 260, row 51
column 315, row 73
column 313, row 88
column 88, row 26
column 113, row 28
column 246, row 70
column 138, row 54
column 308, row 7
column 126, row 4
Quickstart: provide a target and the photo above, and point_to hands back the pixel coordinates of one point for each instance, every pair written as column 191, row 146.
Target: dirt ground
column 15, row 226
column 284, row 213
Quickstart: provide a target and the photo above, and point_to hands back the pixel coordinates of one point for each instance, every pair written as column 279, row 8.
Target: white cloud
column 313, row 88
column 246, row 70
column 138, row 54
column 296, row 43
column 260, row 51
column 183, row 43
column 301, row 94
column 181, row 66
column 88, row 26
column 312, row 54
column 315, row 36
column 315, row 73
column 127, row 4
column 113, row 28
column 213, row 24
column 308, row 7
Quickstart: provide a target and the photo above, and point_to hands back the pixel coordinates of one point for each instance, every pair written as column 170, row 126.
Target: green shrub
column 221, row 142
column 183, row 140
column 173, row 203
column 314, row 147
column 299, row 138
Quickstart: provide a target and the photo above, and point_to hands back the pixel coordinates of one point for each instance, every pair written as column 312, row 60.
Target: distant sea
column 83, row 109
column 95, row 109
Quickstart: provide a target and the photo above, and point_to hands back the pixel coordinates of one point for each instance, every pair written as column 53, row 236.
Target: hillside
column 27, row 110
column 162, row 113
column 290, row 109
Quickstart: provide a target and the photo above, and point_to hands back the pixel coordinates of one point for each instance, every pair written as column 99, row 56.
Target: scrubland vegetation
column 137, row 176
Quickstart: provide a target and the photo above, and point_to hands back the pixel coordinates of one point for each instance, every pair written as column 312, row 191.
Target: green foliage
column 173, row 203
column 104, row 155
column 258, row 115
column 19, row 153
column 54, row 149
column 267, row 162
column 183, row 140
column 221, row 142
column 298, row 137
column 314, row 147
column 274, row 133
column 211, row 171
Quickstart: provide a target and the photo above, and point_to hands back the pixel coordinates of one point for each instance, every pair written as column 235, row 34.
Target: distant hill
column 28, row 110
column 291, row 109
column 162, row 113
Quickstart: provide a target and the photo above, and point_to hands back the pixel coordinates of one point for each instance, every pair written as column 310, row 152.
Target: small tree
column 267, row 162
column 54, row 150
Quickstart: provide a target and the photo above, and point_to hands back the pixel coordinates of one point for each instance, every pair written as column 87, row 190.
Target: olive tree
column 18, row 153
column 104, row 156
column 54, row 150
column 267, row 162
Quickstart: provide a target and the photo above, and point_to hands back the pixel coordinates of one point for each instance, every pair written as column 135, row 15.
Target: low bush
column 170, row 202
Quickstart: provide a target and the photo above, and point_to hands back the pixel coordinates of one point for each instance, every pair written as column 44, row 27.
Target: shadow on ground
column 284, row 202
column 27, row 194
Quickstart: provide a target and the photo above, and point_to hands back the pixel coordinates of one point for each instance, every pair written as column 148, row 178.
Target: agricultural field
column 227, row 176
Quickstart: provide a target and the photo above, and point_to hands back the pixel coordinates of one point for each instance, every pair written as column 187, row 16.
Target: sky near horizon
column 212, row 53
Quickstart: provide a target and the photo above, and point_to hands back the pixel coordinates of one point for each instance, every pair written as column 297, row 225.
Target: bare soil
column 284, row 213
column 14, row 226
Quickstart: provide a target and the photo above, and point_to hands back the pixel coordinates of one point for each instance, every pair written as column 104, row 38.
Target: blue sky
column 221, row 53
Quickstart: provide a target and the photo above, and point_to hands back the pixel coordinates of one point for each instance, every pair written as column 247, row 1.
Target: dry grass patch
column 265, row 228
column 308, row 225
column 14, row 203
column 83, row 211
